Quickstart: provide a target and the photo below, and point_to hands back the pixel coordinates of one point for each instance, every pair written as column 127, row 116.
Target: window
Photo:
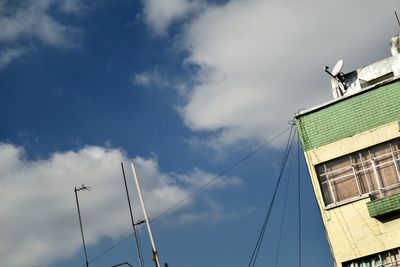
column 372, row 171
column 385, row 259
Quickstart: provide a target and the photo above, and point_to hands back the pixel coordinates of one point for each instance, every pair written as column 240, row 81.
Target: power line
column 256, row 250
column 198, row 190
column 111, row 248
column 299, row 196
column 218, row 176
column 277, row 254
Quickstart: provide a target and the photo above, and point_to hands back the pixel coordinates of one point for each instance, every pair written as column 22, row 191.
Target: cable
column 283, row 213
column 254, row 255
column 111, row 248
column 299, row 196
column 272, row 202
column 261, row 236
column 221, row 174
column 124, row 263
column 196, row 191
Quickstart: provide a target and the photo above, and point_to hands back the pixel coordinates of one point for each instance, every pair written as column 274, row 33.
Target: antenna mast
column 397, row 17
column 139, row 251
column 153, row 246
column 83, row 187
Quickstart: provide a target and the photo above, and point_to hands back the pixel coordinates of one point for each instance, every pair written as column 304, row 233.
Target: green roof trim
column 346, row 117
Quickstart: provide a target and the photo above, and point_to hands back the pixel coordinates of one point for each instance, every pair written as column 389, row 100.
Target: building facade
column 352, row 148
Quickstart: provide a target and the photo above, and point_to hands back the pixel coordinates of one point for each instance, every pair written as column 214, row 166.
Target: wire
column 124, row 263
column 111, row 248
column 299, row 196
column 218, row 176
column 196, row 191
column 283, row 213
column 261, row 236
column 254, row 255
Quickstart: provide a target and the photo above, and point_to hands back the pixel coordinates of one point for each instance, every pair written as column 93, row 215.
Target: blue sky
column 182, row 88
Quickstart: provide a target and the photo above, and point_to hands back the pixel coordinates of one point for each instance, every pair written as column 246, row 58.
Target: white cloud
column 197, row 178
column 160, row 14
column 261, row 61
column 9, row 54
column 27, row 23
column 150, row 78
column 214, row 213
column 142, row 78
column 38, row 208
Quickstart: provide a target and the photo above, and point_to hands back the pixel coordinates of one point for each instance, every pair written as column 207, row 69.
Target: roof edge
column 334, row 101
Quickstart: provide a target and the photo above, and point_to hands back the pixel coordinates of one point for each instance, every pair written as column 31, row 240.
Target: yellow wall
column 351, row 232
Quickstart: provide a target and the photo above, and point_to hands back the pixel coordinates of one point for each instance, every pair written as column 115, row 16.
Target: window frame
column 366, row 187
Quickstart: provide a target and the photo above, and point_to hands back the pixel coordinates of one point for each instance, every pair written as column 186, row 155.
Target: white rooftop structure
column 347, row 83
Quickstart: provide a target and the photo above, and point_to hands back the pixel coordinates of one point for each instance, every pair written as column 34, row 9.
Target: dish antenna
column 338, row 76
column 338, row 67
column 336, row 70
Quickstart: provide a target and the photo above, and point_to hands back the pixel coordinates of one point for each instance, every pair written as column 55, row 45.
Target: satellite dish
column 339, row 77
column 338, row 67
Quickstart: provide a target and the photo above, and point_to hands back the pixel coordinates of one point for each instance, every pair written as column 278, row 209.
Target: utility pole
column 138, row 248
column 153, row 246
column 83, row 187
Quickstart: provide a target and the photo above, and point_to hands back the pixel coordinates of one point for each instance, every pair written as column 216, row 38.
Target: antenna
column 76, row 190
column 338, row 76
column 397, row 17
column 336, row 70
column 338, row 67
column 137, row 240
column 146, row 218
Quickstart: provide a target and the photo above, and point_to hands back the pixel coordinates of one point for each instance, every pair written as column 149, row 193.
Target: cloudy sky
column 184, row 89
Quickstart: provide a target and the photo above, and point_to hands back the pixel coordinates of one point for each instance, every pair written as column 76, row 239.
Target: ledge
column 384, row 206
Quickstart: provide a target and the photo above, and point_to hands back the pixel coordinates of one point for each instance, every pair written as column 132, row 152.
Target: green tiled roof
column 349, row 116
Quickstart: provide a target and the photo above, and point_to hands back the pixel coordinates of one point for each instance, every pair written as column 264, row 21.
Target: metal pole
column 80, row 224
column 153, row 246
column 132, row 220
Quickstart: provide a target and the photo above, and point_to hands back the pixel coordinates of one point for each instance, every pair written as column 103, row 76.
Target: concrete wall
column 351, row 231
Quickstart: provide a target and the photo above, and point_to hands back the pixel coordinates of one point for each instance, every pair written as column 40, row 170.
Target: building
column 352, row 148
